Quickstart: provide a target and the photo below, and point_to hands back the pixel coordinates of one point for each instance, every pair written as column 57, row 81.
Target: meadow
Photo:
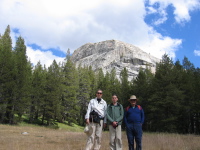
column 42, row 138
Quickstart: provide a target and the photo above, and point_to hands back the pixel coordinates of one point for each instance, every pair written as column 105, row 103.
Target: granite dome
column 114, row 54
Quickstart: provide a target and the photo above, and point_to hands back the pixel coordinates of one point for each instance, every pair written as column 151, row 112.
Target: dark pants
column 134, row 132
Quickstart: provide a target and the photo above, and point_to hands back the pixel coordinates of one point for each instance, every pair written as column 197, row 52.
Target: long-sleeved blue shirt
column 134, row 115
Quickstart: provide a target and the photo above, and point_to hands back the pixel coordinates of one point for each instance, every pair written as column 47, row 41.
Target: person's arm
column 105, row 116
column 108, row 114
column 121, row 114
column 142, row 116
column 105, row 112
column 125, row 119
column 88, row 113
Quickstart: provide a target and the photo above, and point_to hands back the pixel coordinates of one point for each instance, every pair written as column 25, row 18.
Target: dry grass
column 41, row 138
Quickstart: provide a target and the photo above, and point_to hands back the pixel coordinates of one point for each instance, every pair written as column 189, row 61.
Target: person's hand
column 87, row 121
column 104, row 125
column 114, row 124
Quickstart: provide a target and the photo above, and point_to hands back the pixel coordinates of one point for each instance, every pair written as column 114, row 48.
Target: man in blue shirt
column 133, row 119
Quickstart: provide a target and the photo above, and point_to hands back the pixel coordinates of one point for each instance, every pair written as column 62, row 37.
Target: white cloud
column 157, row 45
column 151, row 10
column 160, row 11
column 69, row 24
column 197, row 52
column 182, row 8
column 46, row 58
column 161, row 19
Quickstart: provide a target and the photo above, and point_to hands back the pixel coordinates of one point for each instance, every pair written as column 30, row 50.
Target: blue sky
column 51, row 27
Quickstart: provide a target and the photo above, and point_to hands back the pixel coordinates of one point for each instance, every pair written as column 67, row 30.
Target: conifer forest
column 60, row 93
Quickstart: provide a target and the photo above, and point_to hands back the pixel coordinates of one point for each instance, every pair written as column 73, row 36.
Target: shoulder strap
column 121, row 107
column 127, row 108
column 139, row 107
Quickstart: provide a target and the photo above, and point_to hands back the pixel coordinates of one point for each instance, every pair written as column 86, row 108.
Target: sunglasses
column 99, row 93
column 132, row 100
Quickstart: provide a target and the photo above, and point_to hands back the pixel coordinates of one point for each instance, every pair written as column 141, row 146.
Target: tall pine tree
column 7, row 84
column 22, row 78
column 164, row 103
column 125, row 87
column 188, row 87
column 37, row 93
column 84, row 92
column 52, row 99
column 70, row 88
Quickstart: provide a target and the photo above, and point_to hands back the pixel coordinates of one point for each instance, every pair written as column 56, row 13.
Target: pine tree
column 178, row 81
column 37, row 92
column 22, row 78
column 7, row 84
column 125, row 87
column 70, row 88
column 93, row 81
column 100, row 78
column 106, row 84
column 115, row 84
column 84, row 92
column 164, row 103
column 52, row 99
column 196, row 105
column 141, row 85
column 188, row 87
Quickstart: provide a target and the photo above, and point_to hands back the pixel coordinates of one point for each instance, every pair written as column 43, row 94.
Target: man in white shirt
column 100, row 106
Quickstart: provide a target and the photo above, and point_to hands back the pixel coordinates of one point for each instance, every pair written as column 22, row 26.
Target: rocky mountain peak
column 114, row 54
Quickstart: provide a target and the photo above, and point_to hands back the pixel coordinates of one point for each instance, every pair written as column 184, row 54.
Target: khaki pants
column 94, row 140
column 115, row 137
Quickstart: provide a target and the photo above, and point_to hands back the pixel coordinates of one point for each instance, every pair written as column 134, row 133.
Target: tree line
column 60, row 93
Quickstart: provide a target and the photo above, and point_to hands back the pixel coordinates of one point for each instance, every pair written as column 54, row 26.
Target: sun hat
column 88, row 129
column 132, row 97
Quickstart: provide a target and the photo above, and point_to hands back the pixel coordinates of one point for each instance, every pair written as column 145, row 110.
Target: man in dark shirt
column 133, row 119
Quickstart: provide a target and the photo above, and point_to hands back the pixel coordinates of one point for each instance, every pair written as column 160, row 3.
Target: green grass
column 73, row 128
column 54, row 125
column 64, row 126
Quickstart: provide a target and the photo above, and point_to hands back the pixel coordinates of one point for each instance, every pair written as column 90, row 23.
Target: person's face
column 99, row 94
column 133, row 102
column 114, row 99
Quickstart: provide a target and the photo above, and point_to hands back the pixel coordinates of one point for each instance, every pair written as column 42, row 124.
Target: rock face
column 114, row 54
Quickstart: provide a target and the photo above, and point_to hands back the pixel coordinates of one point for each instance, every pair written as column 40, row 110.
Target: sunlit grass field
column 73, row 138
